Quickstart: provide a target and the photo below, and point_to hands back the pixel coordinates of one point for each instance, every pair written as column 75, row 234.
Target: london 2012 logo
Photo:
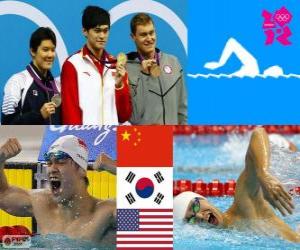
column 275, row 26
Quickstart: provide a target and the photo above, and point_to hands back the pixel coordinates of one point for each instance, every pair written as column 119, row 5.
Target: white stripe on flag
column 154, row 220
column 145, row 239
column 157, row 213
column 156, row 226
column 143, row 232
column 145, row 245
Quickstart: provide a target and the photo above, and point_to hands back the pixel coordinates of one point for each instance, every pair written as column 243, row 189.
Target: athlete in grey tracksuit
column 156, row 79
column 157, row 100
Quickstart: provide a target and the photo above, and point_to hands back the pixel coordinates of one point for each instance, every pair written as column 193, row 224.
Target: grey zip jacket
column 157, row 100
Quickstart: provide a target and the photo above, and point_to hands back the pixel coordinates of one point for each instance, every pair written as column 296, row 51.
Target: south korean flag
column 144, row 187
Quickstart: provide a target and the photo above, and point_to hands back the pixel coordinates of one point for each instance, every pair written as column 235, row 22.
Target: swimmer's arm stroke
column 257, row 176
column 14, row 200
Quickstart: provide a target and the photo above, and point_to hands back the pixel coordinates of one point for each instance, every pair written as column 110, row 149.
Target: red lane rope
column 219, row 130
column 214, row 188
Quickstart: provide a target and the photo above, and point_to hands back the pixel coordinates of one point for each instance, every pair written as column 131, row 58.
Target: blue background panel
column 241, row 100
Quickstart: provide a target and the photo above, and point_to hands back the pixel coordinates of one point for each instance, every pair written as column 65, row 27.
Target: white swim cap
column 74, row 147
column 279, row 141
column 181, row 203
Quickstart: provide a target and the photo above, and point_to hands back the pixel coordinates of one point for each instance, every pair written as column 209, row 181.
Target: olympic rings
column 282, row 17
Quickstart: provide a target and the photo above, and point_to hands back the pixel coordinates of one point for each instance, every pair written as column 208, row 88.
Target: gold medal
column 56, row 99
column 155, row 70
column 121, row 59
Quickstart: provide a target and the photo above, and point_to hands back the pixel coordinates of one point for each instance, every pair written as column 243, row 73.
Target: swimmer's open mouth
column 213, row 219
column 55, row 184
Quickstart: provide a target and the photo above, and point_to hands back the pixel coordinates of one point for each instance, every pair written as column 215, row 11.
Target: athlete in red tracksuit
column 95, row 88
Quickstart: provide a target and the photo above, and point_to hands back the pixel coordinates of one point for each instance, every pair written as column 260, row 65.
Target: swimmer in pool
column 65, row 207
column 257, row 191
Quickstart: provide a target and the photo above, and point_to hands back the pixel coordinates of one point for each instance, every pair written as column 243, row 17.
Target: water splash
column 210, row 150
column 235, row 148
column 285, row 165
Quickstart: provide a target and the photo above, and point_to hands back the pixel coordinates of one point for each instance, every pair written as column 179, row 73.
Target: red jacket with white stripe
column 89, row 95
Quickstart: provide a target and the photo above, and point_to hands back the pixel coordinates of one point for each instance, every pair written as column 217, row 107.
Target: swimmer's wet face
column 56, row 159
column 200, row 210
column 63, row 174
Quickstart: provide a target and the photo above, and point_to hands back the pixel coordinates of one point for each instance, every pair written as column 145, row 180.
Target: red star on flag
column 146, row 146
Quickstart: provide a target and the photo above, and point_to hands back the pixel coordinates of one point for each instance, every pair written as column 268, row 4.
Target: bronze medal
column 155, row 70
column 56, row 99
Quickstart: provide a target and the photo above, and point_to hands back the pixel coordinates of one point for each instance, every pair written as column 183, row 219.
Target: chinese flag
column 145, row 146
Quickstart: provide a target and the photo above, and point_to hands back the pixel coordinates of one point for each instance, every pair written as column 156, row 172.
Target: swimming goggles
column 58, row 155
column 195, row 208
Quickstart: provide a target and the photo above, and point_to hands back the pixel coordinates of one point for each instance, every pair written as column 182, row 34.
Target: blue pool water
column 58, row 241
column 222, row 157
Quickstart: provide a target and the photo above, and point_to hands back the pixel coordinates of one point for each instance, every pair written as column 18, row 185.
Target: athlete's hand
column 48, row 109
column 147, row 64
column 275, row 194
column 101, row 162
column 9, row 149
column 121, row 71
column 104, row 162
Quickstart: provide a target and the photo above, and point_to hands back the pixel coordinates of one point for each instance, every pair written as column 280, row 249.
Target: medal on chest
column 154, row 69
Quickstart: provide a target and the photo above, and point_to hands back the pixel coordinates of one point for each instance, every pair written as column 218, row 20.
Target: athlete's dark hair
column 41, row 34
column 94, row 16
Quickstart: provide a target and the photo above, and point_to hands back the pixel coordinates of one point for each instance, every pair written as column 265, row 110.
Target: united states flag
column 145, row 229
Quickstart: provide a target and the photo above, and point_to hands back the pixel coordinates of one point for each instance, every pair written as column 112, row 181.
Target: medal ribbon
column 40, row 83
column 156, row 57
column 103, row 61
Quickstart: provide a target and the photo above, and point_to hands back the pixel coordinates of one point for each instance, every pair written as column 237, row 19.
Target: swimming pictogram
column 249, row 66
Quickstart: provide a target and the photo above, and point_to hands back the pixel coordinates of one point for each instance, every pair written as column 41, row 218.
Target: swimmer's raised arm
column 258, row 176
column 104, row 162
column 258, row 153
column 106, row 217
column 15, row 201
